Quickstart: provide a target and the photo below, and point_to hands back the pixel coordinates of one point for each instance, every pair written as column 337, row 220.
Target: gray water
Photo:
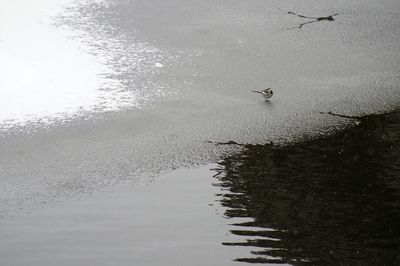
column 327, row 201
column 333, row 200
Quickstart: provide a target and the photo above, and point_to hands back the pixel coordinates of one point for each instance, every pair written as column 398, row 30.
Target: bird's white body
column 267, row 94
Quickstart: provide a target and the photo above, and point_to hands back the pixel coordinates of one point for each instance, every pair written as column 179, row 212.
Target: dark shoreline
column 333, row 200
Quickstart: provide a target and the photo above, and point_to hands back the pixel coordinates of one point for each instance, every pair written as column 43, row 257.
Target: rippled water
column 329, row 201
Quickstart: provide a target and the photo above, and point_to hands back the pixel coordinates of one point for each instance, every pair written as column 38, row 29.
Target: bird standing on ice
column 267, row 94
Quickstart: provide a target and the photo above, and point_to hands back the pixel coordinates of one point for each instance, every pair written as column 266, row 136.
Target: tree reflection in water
column 331, row 201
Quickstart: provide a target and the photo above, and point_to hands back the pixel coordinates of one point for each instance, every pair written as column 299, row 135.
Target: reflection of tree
column 330, row 201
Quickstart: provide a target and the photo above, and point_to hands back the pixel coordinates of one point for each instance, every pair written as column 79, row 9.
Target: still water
column 328, row 201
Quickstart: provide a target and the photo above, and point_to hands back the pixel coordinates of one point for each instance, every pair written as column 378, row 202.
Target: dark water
column 330, row 201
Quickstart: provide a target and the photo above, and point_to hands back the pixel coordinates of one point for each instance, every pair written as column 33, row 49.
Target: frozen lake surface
column 52, row 72
column 327, row 201
column 99, row 93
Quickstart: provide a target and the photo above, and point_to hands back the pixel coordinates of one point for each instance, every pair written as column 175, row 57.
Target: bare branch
column 315, row 19
column 340, row 115
column 300, row 16
column 231, row 142
column 302, row 24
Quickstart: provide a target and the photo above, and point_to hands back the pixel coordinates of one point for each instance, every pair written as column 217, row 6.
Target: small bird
column 267, row 94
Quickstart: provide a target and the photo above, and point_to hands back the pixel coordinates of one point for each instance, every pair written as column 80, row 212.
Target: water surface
column 334, row 200
column 96, row 66
column 329, row 201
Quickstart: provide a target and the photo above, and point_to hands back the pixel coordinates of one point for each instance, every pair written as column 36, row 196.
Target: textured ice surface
column 53, row 70
column 214, row 53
